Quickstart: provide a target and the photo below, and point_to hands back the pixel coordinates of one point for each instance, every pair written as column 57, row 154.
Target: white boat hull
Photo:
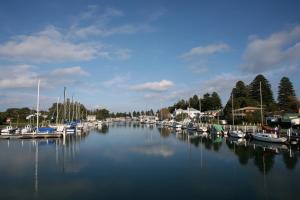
column 237, row 134
column 265, row 137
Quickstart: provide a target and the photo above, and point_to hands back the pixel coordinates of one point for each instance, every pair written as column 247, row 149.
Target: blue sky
column 137, row 55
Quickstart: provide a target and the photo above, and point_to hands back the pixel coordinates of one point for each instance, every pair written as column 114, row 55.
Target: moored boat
column 236, row 133
column 268, row 137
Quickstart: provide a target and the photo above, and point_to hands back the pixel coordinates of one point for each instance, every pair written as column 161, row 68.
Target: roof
column 193, row 109
column 248, row 108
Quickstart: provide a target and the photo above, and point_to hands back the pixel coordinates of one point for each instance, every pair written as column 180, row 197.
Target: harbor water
column 131, row 161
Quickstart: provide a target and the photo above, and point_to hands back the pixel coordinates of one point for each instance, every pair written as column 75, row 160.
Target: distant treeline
column 247, row 95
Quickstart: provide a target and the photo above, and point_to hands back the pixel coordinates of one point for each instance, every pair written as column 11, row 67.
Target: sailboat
column 200, row 126
column 267, row 137
column 232, row 132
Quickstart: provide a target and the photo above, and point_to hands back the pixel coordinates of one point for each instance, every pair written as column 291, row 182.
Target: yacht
column 268, row 137
column 236, row 133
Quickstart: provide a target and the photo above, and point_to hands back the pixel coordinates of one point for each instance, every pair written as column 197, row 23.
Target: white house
column 91, row 118
column 192, row 113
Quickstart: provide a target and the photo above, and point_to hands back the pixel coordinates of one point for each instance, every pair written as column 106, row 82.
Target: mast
column 232, row 109
column 57, row 111
column 200, row 110
column 65, row 110
column 261, row 111
column 69, row 109
column 37, row 107
column 72, row 109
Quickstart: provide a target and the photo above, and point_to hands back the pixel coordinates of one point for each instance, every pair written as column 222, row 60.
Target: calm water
column 135, row 162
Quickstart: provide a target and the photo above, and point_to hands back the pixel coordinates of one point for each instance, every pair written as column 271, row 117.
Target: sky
column 136, row 55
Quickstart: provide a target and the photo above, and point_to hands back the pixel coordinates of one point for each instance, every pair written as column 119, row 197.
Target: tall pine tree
column 216, row 101
column 267, row 94
column 286, row 95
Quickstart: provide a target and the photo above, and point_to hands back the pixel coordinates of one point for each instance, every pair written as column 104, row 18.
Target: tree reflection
column 103, row 129
column 264, row 159
column 240, row 149
column 164, row 132
column 289, row 160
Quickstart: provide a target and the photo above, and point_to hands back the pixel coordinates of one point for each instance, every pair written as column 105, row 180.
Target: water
column 136, row 162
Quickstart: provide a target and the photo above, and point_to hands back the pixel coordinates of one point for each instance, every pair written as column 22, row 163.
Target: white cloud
column 279, row 50
column 47, row 45
column 77, row 70
column 50, row 45
column 26, row 76
column 205, row 50
column 154, row 86
column 104, row 31
column 117, row 80
column 17, row 76
column 96, row 21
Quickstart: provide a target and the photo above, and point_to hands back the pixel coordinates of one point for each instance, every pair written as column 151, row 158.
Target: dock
column 31, row 136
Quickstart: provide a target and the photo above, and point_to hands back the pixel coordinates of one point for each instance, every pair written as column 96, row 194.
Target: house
column 91, row 118
column 242, row 112
column 192, row 113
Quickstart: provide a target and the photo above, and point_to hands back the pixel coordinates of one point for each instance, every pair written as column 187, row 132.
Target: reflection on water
column 133, row 161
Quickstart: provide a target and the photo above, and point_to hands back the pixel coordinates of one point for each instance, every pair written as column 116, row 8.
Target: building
column 191, row 112
column 91, row 118
column 242, row 112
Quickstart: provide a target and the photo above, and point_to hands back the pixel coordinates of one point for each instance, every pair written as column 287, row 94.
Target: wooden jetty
column 31, row 136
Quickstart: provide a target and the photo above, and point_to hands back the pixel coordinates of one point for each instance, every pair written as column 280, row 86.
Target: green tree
column 267, row 94
column 216, row 101
column 286, row 95
column 194, row 102
column 164, row 114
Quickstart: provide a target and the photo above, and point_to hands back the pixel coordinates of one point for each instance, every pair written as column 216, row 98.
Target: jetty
column 31, row 136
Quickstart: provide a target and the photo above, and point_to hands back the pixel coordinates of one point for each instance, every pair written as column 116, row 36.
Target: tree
column 194, row 102
column 286, row 95
column 102, row 114
column 216, row 101
column 241, row 98
column 164, row 114
column 241, row 90
column 134, row 114
column 267, row 94
column 206, row 104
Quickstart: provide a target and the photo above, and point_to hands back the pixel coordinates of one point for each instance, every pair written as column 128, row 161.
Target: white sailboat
column 267, row 137
column 200, row 127
column 232, row 132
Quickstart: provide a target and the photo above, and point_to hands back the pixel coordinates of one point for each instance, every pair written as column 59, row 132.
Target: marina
column 143, row 158
column 172, row 100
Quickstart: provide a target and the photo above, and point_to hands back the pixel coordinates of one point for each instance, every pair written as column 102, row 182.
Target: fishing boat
column 8, row 130
column 27, row 129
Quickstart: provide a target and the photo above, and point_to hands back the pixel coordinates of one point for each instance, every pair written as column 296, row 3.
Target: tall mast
column 57, row 111
column 261, row 111
column 72, row 108
column 232, row 108
column 65, row 110
column 69, row 109
column 200, row 109
column 37, row 107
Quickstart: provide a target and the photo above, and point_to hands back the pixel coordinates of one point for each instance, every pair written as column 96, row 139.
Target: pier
column 31, row 136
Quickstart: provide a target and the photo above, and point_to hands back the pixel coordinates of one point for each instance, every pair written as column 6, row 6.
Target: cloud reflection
column 154, row 150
